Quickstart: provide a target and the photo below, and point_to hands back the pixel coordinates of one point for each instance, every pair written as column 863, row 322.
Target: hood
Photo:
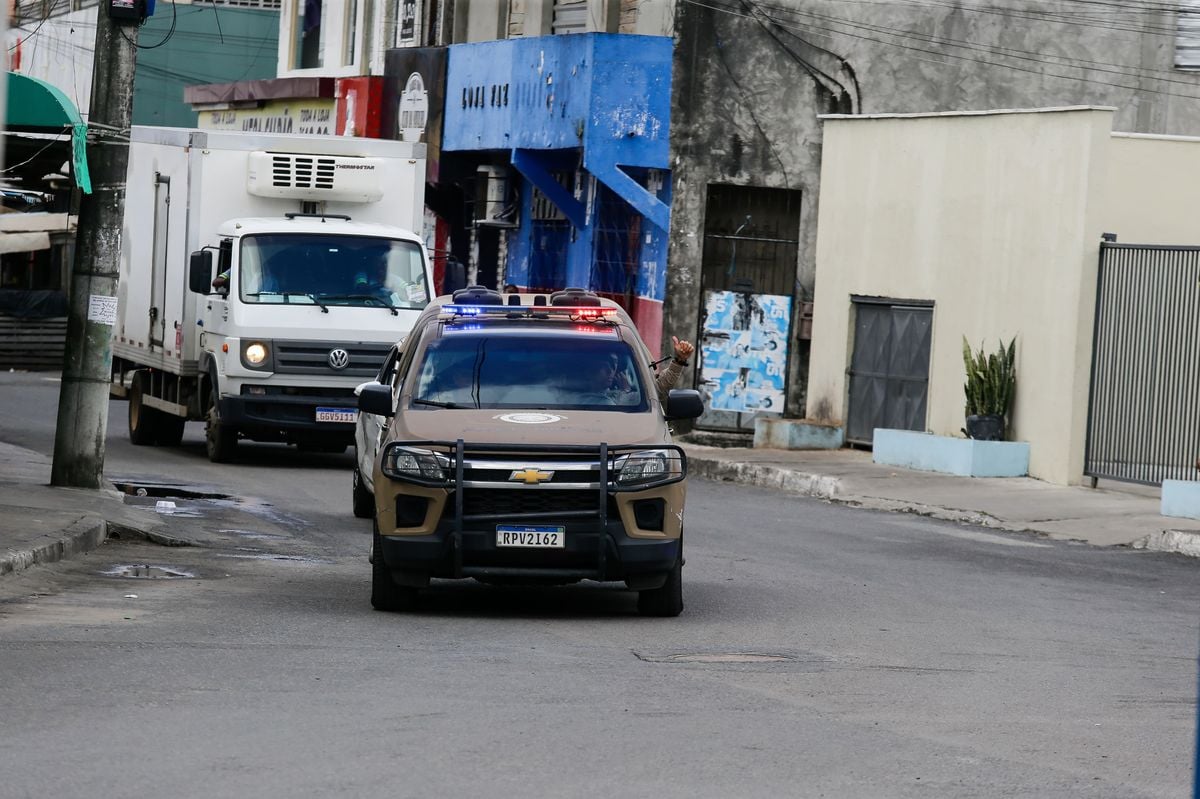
column 304, row 322
column 493, row 426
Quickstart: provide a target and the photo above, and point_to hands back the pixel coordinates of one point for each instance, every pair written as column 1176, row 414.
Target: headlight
column 648, row 466
column 420, row 465
column 256, row 353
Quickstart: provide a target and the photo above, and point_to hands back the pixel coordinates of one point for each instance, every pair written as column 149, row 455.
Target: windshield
column 535, row 372
column 331, row 270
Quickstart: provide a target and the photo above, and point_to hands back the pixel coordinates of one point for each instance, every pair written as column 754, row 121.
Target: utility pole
column 83, row 400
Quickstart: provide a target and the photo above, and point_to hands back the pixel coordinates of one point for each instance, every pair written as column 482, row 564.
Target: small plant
column 991, row 385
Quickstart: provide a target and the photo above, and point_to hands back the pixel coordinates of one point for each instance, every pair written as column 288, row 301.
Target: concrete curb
column 765, row 476
column 830, row 488
column 1181, row 542
column 86, row 533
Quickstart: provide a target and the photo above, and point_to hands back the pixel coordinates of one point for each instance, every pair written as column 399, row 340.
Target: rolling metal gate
column 1144, row 410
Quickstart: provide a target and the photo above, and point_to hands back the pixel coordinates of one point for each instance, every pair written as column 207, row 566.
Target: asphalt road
column 823, row 651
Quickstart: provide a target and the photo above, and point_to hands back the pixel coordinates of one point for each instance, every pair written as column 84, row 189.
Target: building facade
column 752, row 78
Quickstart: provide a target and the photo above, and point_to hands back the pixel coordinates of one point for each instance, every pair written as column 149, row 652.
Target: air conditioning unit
column 492, row 203
column 314, row 177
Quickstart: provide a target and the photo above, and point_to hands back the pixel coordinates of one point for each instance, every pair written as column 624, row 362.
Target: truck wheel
column 364, row 500
column 170, row 430
column 385, row 594
column 220, row 440
column 143, row 421
column 668, row 600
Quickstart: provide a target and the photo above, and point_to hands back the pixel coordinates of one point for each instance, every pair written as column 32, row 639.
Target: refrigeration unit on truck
column 311, row 242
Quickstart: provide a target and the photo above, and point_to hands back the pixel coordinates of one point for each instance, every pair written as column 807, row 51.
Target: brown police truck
column 528, row 443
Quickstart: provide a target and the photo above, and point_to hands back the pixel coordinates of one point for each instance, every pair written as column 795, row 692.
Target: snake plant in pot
column 990, row 388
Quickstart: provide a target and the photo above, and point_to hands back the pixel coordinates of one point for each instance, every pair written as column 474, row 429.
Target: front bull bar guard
column 604, row 454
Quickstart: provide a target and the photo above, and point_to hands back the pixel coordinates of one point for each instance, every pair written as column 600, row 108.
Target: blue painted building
column 568, row 136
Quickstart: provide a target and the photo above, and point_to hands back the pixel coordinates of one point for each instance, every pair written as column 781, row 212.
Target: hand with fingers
column 683, row 350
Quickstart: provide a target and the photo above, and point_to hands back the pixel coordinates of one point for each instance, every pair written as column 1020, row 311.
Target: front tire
column 385, row 594
column 668, row 600
column 220, row 440
column 364, row 500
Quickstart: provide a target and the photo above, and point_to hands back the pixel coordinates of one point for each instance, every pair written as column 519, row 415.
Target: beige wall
column 1153, row 189
column 996, row 218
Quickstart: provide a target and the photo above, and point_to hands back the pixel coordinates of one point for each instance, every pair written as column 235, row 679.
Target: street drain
column 718, row 657
column 147, row 572
column 161, row 491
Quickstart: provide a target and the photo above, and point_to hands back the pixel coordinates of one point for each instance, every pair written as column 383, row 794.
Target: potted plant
column 990, row 388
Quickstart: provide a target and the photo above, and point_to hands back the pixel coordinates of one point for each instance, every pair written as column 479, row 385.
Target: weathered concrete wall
column 995, row 218
column 749, row 89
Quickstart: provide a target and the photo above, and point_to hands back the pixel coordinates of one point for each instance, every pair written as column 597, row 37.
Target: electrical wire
column 1125, row 70
column 941, row 56
column 49, row 13
column 33, row 157
column 170, row 33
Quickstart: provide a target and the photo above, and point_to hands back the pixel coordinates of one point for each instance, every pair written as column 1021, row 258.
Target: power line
column 941, row 56
column 1124, row 70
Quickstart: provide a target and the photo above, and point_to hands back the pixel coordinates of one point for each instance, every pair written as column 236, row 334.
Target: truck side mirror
column 684, row 403
column 376, row 398
column 200, row 275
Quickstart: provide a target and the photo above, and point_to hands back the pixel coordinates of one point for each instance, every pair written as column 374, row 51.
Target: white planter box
column 962, row 456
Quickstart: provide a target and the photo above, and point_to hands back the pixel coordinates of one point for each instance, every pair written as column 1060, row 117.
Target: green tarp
column 34, row 105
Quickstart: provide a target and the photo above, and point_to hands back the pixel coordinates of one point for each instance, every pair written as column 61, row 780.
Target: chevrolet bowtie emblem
column 530, row 476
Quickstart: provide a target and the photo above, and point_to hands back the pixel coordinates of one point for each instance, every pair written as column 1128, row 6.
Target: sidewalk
column 1102, row 517
column 41, row 524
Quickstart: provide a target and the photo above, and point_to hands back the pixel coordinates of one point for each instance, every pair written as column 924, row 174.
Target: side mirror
column 376, row 398
column 200, row 274
column 684, row 403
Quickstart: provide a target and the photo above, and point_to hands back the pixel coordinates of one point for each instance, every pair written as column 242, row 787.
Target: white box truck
column 313, row 244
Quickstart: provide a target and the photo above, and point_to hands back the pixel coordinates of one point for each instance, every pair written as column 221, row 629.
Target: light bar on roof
column 581, row 311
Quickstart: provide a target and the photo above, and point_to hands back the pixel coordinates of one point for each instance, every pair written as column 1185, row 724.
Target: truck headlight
column 256, row 354
column 648, row 466
column 414, row 464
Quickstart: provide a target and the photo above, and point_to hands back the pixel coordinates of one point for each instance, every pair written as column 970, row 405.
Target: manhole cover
column 148, row 572
column 718, row 657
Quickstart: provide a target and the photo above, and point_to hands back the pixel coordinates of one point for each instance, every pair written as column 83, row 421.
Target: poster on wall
column 408, row 22
column 744, row 351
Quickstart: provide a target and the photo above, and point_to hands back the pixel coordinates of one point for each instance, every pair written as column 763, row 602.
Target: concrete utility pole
column 83, row 401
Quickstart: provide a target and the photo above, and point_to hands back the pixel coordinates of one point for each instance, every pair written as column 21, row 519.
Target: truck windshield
column 532, row 372
column 305, row 268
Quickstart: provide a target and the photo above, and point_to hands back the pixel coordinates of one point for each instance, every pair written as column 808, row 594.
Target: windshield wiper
column 435, row 403
column 368, row 298
column 285, row 294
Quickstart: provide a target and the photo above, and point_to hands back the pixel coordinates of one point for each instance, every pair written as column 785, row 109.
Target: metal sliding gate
column 1144, row 410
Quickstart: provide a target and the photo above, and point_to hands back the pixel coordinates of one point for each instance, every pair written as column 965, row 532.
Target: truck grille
column 312, row 358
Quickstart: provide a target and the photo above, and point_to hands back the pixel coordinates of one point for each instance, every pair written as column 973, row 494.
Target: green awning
column 34, row 105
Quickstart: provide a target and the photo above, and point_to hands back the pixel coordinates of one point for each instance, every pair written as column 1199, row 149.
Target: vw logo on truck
column 339, row 359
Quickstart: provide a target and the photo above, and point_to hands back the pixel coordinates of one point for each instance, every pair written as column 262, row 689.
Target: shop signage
column 309, row 117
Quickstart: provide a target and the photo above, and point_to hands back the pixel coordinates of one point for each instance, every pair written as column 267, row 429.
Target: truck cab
column 304, row 308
